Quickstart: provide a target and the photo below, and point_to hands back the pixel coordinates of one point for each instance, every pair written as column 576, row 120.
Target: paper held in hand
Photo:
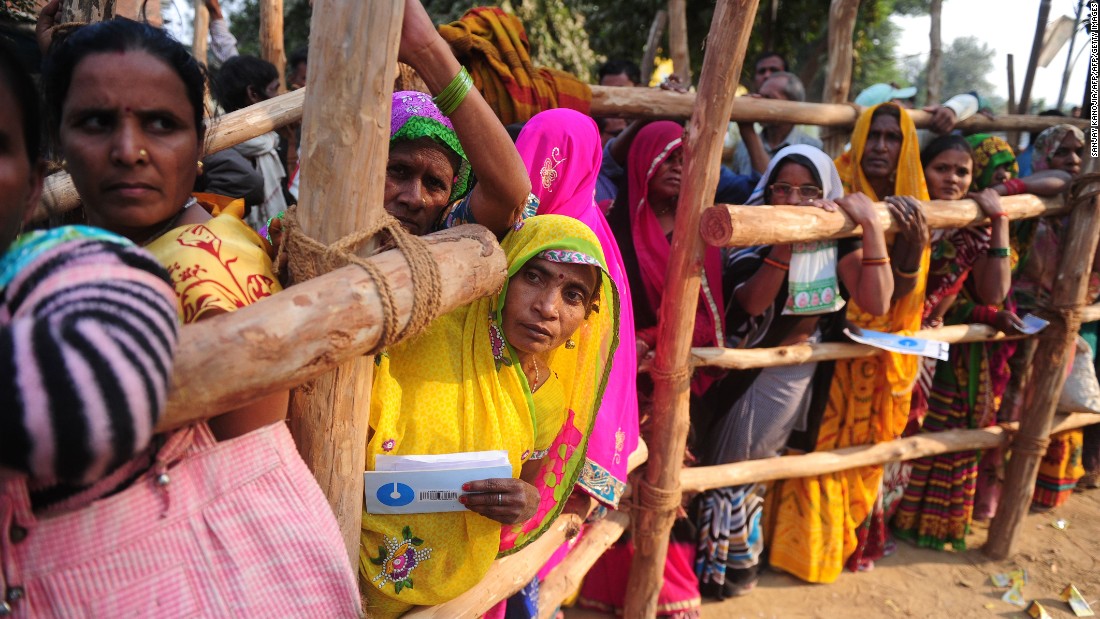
column 901, row 343
column 428, row 484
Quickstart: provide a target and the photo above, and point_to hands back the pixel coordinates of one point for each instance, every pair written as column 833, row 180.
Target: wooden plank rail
column 310, row 328
column 726, row 225
column 510, row 574
column 819, row 463
column 567, row 576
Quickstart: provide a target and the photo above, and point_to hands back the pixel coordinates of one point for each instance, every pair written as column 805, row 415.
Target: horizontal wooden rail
column 292, row 337
column 727, row 225
column 820, row 463
column 1090, row 313
column 795, row 354
column 653, row 103
column 510, row 574
column 255, row 120
column 567, row 576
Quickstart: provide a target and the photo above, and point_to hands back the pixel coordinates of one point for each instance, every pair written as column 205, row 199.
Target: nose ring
column 144, row 154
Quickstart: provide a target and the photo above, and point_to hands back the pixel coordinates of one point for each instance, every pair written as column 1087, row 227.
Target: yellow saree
column 813, row 521
column 458, row 387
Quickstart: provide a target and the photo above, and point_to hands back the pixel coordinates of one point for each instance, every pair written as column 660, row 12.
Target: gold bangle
column 907, row 274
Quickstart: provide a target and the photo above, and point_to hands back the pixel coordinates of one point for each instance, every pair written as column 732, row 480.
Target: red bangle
column 1015, row 186
column 875, row 261
column 782, row 266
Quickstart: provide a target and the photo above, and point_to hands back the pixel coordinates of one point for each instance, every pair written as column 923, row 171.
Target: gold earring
column 199, row 166
column 570, row 344
column 65, row 164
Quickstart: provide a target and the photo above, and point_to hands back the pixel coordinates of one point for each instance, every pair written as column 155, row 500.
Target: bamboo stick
column 726, row 43
column 702, row 478
column 271, row 37
column 649, row 55
column 1048, row 369
column 678, row 40
column 727, row 225
column 310, row 328
column 199, row 40
column 511, row 573
column 838, row 75
column 567, row 576
column 750, row 358
column 345, row 127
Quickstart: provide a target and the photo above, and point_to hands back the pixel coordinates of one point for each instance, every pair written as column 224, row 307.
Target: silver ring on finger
column 500, row 499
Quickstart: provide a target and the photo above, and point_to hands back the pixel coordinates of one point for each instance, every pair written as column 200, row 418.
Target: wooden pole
column 725, row 52
column 1048, row 370
column 649, row 56
column 271, row 37
column 202, row 32
column 935, row 53
column 1090, row 313
column 1033, row 60
column 1013, row 137
column 838, row 75
column 265, row 116
column 87, row 11
column 295, row 336
column 727, row 225
column 678, row 40
column 1069, row 55
column 345, row 127
column 698, row 479
column 751, row 358
column 567, row 576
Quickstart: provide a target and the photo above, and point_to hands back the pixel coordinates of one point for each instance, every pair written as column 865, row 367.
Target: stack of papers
column 428, row 484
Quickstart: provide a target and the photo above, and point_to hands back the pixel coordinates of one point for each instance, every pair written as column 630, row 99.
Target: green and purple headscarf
column 415, row 116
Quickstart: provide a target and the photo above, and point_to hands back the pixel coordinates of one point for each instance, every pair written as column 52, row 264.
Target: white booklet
column 905, row 344
column 430, row 483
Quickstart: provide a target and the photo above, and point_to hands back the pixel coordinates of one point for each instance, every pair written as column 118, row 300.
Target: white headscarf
column 812, row 282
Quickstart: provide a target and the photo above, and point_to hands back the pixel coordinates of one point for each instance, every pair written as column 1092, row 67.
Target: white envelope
column 428, row 484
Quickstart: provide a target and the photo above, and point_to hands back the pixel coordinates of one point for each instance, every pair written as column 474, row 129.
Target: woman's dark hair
column 944, row 143
column 17, row 80
column 801, row 160
column 119, row 35
column 888, row 109
column 237, row 75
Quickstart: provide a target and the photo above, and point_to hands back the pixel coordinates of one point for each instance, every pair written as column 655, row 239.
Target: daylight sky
column 1008, row 26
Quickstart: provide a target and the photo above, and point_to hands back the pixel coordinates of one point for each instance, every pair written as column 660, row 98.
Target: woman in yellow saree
column 514, row 372
column 816, row 524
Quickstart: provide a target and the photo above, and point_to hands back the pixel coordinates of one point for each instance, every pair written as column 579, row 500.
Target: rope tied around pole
column 307, row 258
column 1076, row 191
column 1029, row 445
column 671, row 376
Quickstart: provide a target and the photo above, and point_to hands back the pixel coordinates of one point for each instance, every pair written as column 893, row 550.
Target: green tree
column 966, row 65
column 244, row 23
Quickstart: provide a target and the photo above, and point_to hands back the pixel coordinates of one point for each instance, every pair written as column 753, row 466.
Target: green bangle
column 997, row 252
column 455, row 92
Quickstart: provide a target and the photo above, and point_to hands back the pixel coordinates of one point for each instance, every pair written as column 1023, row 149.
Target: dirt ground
column 917, row 582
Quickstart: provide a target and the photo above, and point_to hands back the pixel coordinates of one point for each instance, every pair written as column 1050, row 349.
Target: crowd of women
column 107, row 510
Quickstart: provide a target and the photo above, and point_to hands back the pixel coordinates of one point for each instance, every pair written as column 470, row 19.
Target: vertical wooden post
column 1033, row 61
column 1013, row 137
column 649, row 55
column 725, row 51
column 678, row 40
column 935, row 53
column 838, row 76
column 202, row 31
column 271, row 37
column 1069, row 54
column 1048, row 372
column 346, row 127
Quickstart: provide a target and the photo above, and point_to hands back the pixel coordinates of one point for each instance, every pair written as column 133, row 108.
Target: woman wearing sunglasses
column 780, row 295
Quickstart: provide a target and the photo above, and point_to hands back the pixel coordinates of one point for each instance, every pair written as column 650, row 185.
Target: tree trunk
column 659, row 488
column 935, row 54
column 345, row 126
column 87, row 11
column 838, row 76
column 649, row 55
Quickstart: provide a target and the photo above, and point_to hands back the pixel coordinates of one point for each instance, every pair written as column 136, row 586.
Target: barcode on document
column 438, row 495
